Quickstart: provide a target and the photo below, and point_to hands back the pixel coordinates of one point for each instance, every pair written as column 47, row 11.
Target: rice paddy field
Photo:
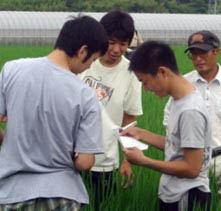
column 142, row 195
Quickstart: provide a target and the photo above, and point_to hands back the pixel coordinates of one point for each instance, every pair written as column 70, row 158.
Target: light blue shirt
column 51, row 114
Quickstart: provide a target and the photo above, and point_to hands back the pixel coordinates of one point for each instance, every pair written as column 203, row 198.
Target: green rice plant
column 15, row 52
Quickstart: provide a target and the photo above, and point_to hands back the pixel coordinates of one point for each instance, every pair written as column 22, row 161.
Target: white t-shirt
column 118, row 91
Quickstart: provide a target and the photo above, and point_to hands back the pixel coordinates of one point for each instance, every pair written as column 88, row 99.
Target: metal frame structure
column 42, row 28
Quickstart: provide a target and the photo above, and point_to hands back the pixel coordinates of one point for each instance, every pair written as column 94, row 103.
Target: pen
column 132, row 124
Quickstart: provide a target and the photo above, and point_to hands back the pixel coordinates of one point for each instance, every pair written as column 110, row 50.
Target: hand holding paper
column 129, row 141
column 135, row 156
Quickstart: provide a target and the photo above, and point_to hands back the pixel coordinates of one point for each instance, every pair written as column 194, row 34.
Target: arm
column 193, row 128
column 187, row 168
column 153, row 139
column 127, row 119
column 88, row 134
column 84, row 162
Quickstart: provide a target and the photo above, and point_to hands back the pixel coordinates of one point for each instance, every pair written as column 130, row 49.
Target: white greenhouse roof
column 18, row 27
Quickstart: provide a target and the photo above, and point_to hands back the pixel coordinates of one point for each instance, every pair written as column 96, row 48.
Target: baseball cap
column 204, row 40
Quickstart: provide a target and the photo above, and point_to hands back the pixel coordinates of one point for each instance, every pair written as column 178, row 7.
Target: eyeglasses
column 192, row 54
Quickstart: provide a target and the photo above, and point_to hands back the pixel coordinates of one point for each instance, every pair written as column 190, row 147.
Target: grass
column 15, row 52
column 143, row 195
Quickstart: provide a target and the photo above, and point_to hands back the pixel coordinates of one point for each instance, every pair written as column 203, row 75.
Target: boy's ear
column 82, row 52
column 163, row 71
column 216, row 51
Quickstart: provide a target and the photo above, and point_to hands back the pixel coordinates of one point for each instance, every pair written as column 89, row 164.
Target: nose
column 197, row 57
column 116, row 47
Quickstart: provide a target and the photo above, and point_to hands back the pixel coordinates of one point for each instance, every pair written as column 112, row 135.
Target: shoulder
column 125, row 61
column 14, row 62
column 79, row 83
column 128, row 74
column 80, row 88
column 196, row 103
column 193, row 105
column 13, row 66
column 22, row 62
column 123, row 67
column 192, row 101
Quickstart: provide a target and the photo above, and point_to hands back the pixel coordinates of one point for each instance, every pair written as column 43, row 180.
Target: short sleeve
column 89, row 137
column 193, row 126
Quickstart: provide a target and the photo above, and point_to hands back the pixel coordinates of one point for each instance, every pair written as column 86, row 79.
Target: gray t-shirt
column 51, row 115
column 188, row 127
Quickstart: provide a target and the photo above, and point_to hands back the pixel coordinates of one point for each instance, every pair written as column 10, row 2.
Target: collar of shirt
column 198, row 77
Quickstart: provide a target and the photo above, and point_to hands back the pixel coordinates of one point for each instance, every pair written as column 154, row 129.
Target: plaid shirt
column 43, row 204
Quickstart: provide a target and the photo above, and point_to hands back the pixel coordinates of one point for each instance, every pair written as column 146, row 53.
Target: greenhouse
column 42, row 28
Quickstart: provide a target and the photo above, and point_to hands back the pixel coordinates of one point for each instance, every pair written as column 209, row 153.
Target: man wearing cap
column 203, row 50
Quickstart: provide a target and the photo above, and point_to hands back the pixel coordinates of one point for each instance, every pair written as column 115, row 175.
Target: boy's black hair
column 150, row 55
column 118, row 25
column 79, row 31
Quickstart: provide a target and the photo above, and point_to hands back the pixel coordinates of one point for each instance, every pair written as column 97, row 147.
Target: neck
column 210, row 74
column 180, row 87
column 108, row 62
column 60, row 58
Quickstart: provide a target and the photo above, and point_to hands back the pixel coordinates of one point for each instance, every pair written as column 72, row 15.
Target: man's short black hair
column 150, row 55
column 79, row 31
column 118, row 25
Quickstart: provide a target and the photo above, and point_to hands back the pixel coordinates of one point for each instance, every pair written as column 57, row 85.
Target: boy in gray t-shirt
column 184, row 181
column 53, row 122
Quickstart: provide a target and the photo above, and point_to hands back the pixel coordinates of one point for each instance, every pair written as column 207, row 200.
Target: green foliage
column 141, row 6
column 198, row 6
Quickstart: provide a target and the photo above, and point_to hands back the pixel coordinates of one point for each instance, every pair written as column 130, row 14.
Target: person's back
column 42, row 127
column 54, row 123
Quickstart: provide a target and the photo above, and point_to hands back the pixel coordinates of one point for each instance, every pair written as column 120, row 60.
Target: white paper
column 129, row 142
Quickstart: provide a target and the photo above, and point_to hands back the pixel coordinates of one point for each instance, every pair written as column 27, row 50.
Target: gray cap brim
column 201, row 46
